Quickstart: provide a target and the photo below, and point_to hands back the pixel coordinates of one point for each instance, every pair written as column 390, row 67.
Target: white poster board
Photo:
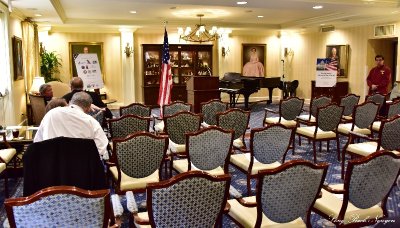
column 326, row 76
column 88, row 68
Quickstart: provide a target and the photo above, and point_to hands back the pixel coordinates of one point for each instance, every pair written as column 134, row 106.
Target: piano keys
column 235, row 84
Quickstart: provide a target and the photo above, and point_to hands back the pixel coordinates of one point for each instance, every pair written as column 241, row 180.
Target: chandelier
column 200, row 33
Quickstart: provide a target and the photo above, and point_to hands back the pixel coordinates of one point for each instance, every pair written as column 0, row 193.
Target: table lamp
column 36, row 83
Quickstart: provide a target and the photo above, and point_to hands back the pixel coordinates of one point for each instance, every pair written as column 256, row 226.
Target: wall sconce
column 225, row 51
column 128, row 50
column 288, row 52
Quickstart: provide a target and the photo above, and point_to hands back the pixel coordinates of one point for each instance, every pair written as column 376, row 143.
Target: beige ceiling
column 278, row 14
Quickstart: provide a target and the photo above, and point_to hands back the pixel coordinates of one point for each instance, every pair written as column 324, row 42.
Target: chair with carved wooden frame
column 61, row 206
column 327, row 121
column 393, row 110
column 6, row 155
column 128, row 124
column 169, row 110
column 366, row 188
column 38, row 105
column 237, row 120
column 176, row 126
column 210, row 109
column 136, row 161
column 268, row 148
column 190, row 199
column 387, row 139
column 379, row 99
column 137, row 109
column 315, row 103
column 348, row 102
column 284, row 195
column 207, row 150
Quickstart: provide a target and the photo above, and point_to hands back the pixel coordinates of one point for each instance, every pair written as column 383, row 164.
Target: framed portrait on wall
column 253, row 60
column 18, row 63
column 338, row 56
column 76, row 48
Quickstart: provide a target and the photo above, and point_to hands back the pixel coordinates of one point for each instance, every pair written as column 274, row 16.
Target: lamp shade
column 36, row 83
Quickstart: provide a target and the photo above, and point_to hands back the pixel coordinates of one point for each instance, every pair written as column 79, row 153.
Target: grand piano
column 235, row 84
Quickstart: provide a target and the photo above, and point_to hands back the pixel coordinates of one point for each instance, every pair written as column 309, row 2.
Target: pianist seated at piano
column 254, row 67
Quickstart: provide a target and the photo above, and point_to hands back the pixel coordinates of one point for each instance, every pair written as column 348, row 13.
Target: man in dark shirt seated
column 77, row 86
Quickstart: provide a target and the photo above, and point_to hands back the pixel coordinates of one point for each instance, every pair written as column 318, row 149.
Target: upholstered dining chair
column 169, row 110
column 387, row 139
column 362, row 199
column 127, row 124
column 348, row 102
column 284, row 195
column 393, row 110
column 327, row 121
column 6, row 156
column 136, row 161
column 208, row 150
column 210, row 109
column 176, row 126
column 191, row 199
column 377, row 98
column 137, row 109
column 268, row 148
column 362, row 118
column 315, row 103
column 38, row 108
column 61, row 206
column 237, row 120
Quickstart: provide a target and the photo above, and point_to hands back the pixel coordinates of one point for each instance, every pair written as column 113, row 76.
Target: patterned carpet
column 239, row 179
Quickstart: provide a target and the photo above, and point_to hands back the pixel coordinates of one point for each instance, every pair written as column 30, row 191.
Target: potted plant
column 49, row 64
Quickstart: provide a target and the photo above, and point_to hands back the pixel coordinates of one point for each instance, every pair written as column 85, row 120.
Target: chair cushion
column 238, row 143
column 345, row 128
column 286, row 123
column 305, row 117
column 2, row 167
column 182, row 166
column 243, row 161
column 347, row 118
column 176, row 148
column 130, row 183
column 364, row 148
column 309, row 132
column 247, row 216
column 204, row 124
column 376, row 125
column 7, row 154
column 330, row 204
column 159, row 127
column 144, row 216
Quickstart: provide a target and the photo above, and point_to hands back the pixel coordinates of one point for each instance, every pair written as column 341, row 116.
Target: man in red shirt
column 379, row 77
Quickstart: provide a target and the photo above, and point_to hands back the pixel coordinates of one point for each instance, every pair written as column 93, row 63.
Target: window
column 5, row 74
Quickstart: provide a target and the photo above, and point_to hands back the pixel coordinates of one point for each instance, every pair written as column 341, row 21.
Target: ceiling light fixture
column 200, row 33
column 317, row 7
column 241, row 3
column 38, row 15
column 132, row 11
column 260, row 16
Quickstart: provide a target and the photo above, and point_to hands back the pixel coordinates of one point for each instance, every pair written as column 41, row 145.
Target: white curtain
column 30, row 45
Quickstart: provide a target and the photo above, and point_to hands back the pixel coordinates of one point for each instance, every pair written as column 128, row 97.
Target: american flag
column 332, row 64
column 164, row 95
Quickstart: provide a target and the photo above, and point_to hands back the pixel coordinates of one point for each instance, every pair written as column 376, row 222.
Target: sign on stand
column 326, row 76
column 88, row 68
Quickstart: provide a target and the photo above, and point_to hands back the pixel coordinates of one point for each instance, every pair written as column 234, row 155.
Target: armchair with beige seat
column 59, row 88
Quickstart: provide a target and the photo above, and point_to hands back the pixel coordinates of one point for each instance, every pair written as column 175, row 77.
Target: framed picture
column 76, row 48
column 17, row 58
column 253, row 60
column 339, row 58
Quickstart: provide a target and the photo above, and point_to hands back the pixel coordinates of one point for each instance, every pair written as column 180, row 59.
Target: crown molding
column 59, row 9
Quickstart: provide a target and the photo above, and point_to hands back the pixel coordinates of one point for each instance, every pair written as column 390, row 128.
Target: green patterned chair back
column 210, row 110
column 390, row 134
column 376, row 98
column 234, row 119
column 349, row 102
column 140, row 155
column 192, row 199
column 177, row 125
column 328, row 117
column 135, row 109
column 394, row 109
column 365, row 114
column 318, row 102
column 175, row 107
column 270, row 144
column 209, row 148
column 291, row 108
column 289, row 191
column 128, row 124
column 369, row 180
column 60, row 206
